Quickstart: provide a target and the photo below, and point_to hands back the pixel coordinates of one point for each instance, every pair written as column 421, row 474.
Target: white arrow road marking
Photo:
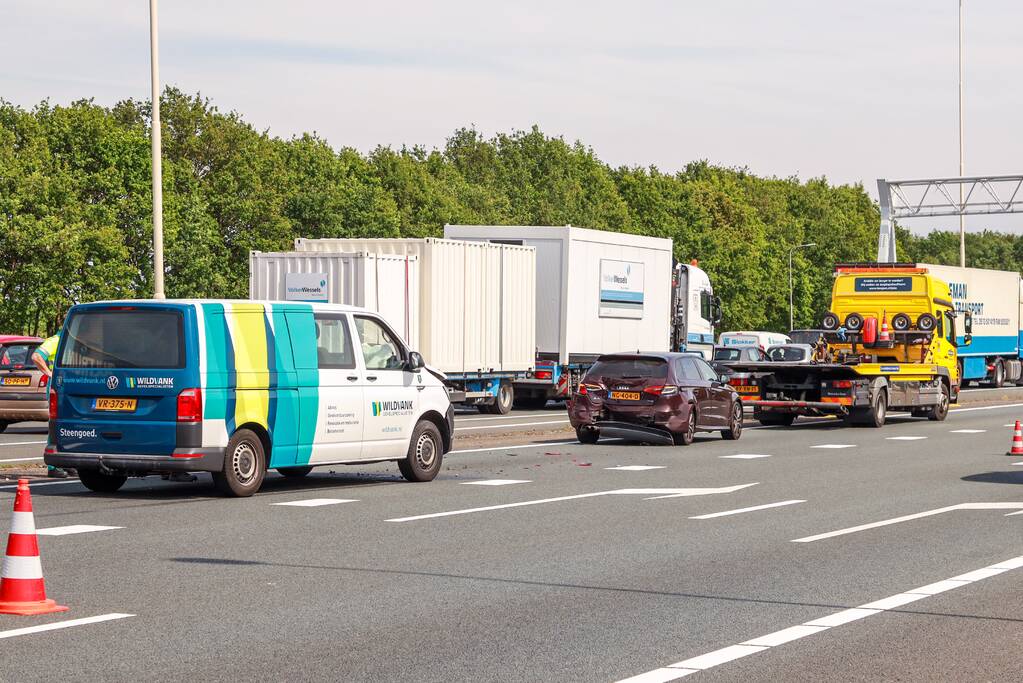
column 730, row 653
column 751, row 509
column 62, row 624
column 74, row 529
column 659, row 493
column 907, row 518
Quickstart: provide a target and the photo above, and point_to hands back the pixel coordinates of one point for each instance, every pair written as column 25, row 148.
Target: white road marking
column 660, row 493
column 1011, row 424
column 635, row 468
column 44, row 483
column 1000, row 405
column 510, row 448
column 905, row 438
column 746, row 456
column 23, row 443
column 809, row 628
column 1017, row 463
column 835, row 445
column 749, row 509
column 74, row 529
column 462, row 417
column 514, row 424
column 316, row 502
column 495, row 482
column 62, row 624
column 907, row 518
column 967, row 431
column 22, row 459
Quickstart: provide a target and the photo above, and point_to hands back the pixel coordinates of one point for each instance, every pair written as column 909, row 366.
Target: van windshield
column 135, row 338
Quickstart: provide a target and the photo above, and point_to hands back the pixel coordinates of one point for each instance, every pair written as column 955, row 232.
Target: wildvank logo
column 384, row 408
column 149, row 382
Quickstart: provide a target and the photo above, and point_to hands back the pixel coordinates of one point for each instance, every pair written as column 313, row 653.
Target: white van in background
column 747, row 338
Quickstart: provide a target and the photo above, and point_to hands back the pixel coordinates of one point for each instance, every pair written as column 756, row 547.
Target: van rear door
column 120, row 370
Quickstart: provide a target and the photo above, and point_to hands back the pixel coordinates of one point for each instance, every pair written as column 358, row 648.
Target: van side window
column 334, row 349
column 380, row 350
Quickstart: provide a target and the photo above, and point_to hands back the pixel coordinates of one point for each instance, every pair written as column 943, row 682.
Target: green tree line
column 75, row 207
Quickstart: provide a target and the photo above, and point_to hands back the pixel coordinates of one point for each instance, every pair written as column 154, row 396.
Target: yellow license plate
column 625, row 395
column 121, row 405
column 16, row 381
column 747, row 389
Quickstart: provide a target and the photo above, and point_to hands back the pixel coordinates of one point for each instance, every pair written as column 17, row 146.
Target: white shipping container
column 388, row 285
column 476, row 300
column 596, row 291
column 993, row 298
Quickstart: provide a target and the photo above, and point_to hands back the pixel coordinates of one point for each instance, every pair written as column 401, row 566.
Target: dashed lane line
column 967, row 431
column 746, row 456
column 22, row 443
column 904, row 438
column 316, row 502
column 514, row 424
column 787, row 635
column 908, row 518
column 519, row 446
column 835, row 445
column 74, row 529
column 43, row 483
column 54, row 626
column 22, row 459
column 495, row 482
column 740, row 511
column 635, row 468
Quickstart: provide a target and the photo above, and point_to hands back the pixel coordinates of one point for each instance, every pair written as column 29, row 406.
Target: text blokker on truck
column 889, row 341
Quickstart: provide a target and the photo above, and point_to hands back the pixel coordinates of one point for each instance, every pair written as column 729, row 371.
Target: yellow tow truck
column 888, row 342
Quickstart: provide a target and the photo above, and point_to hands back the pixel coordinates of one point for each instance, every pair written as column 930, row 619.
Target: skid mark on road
column 74, row 529
column 907, row 518
column 787, row 635
column 740, row 511
column 63, row 624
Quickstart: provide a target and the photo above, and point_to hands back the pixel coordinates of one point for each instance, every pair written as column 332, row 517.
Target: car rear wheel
column 687, row 435
column 734, row 430
column 94, row 480
column 425, row 453
column 244, row 465
column 587, row 435
column 295, row 472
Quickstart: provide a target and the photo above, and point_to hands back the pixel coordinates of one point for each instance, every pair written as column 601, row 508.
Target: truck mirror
column 967, row 339
column 716, row 311
column 968, row 323
column 415, row 361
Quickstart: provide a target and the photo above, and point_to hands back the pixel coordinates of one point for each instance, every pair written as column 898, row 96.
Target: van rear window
column 138, row 338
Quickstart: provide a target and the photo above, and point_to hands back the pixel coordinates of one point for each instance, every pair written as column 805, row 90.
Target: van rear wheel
column 425, row 453
column 244, row 465
column 295, row 472
column 94, row 480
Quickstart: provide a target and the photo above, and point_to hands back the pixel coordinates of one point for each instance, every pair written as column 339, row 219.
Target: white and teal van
column 238, row 387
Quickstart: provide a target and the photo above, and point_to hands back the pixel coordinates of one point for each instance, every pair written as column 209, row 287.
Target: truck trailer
column 994, row 299
column 601, row 292
column 467, row 307
column 889, row 341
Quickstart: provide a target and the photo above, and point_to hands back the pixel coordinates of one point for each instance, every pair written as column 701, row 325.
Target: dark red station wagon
column 656, row 397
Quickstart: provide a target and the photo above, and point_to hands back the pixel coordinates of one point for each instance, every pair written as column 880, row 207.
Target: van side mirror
column 415, row 361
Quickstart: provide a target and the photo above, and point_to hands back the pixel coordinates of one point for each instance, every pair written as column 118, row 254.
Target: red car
column 23, row 389
column 657, row 397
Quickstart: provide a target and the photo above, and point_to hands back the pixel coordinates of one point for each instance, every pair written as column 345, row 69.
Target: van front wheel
column 244, row 465
column 425, row 453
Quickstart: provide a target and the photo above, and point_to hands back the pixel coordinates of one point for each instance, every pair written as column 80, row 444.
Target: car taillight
column 53, row 404
column 190, row 405
column 842, row 384
column 661, row 390
column 44, row 380
column 735, row 382
column 585, row 389
column 543, row 374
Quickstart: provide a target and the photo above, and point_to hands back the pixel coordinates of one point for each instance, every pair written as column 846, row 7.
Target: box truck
column 602, row 292
column 469, row 306
column 994, row 299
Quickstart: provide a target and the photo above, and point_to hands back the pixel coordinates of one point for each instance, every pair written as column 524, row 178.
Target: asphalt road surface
column 813, row 553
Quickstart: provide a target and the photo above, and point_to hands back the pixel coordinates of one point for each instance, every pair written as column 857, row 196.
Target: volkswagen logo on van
column 112, row 382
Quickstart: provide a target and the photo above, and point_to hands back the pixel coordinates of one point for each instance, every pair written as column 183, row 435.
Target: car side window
column 689, row 370
column 706, row 372
column 334, row 350
column 380, row 348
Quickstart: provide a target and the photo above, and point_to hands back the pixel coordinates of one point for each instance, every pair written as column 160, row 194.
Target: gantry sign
column 981, row 195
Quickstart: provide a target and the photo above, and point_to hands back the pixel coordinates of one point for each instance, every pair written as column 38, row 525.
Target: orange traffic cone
column 883, row 336
column 1017, row 441
column 21, row 578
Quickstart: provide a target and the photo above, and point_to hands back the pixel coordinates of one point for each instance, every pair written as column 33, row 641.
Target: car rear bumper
column 634, row 432
column 24, row 407
column 183, row 460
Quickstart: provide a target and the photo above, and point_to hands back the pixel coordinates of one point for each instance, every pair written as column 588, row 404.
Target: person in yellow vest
column 43, row 358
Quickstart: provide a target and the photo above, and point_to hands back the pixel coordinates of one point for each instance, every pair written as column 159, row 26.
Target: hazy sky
column 850, row 90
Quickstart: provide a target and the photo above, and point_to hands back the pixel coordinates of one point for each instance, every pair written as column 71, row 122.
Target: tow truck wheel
column 94, row 480
column 244, row 465
column 687, row 435
column 939, row 412
column 777, row 419
column 734, row 430
column 875, row 415
column 587, row 435
column 425, row 453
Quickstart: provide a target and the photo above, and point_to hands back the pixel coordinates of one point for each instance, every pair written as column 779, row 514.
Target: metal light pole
column 791, row 252
column 154, row 57
column 962, row 153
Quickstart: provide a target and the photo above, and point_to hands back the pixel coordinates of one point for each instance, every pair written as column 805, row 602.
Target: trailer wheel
column 997, row 375
column 503, row 402
column 939, row 412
